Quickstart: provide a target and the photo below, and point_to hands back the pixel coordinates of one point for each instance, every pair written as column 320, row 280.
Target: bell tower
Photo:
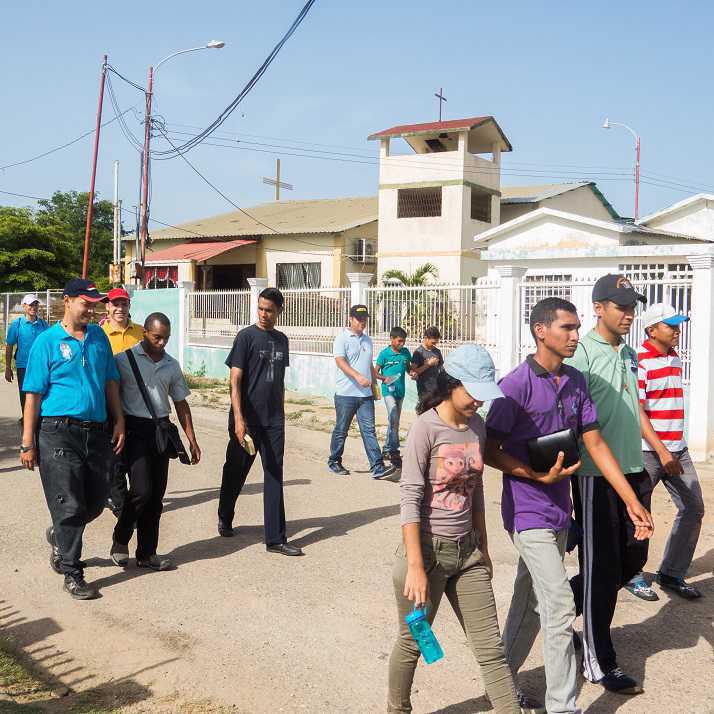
column 433, row 201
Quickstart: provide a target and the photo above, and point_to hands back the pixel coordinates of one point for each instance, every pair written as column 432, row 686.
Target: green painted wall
column 144, row 302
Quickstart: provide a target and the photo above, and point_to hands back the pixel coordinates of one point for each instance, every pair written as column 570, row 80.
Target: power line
column 191, row 143
column 63, row 146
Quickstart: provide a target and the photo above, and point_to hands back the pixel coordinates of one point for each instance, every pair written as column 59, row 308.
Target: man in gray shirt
column 148, row 469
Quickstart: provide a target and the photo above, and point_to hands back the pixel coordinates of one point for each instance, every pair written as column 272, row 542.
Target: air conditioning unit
column 364, row 251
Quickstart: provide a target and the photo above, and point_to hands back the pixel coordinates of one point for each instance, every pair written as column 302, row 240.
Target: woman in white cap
column 445, row 548
column 21, row 333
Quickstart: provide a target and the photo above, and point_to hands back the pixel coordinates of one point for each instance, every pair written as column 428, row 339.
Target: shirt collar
column 138, row 347
column 118, row 331
column 597, row 337
column 654, row 350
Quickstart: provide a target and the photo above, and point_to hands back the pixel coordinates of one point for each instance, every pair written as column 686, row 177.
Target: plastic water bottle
column 423, row 635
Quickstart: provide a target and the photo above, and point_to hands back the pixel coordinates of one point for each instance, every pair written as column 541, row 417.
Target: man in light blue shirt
column 21, row 335
column 355, row 385
column 71, row 378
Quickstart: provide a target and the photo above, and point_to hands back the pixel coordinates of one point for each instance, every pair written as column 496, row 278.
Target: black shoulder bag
column 168, row 439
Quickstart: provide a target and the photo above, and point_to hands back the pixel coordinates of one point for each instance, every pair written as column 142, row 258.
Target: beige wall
column 320, row 248
column 581, row 201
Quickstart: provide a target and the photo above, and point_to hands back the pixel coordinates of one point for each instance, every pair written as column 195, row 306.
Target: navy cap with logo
column 78, row 287
column 359, row 312
column 617, row 289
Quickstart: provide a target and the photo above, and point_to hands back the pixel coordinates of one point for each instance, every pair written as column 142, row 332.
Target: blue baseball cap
column 473, row 367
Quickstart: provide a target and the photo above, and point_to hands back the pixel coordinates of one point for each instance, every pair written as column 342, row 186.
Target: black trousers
column 118, row 489
column 20, row 379
column 148, row 475
column 74, row 465
column 609, row 556
column 270, row 444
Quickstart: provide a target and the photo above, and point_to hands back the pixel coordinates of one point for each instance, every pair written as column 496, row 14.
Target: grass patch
column 197, row 382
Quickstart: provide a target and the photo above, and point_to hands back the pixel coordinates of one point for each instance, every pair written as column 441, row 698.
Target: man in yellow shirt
column 120, row 330
column 122, row 334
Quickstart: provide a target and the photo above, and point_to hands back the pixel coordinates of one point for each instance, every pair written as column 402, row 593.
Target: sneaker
column 119, row 554
column 527, row 704
column 55, row 555
column 337, row 468
column 679, row 586
column 78, row 588
column 396, row 460
column 639, row 588
column 381, row 472
column 618, row 682
column 154, row 562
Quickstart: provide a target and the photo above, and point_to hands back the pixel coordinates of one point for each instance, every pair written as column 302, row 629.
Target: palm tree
column 417, row 278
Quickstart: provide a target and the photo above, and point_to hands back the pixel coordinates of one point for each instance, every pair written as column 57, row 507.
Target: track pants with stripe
column 609, row 556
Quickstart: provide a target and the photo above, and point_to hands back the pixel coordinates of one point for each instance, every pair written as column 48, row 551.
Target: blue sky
column 548, row 71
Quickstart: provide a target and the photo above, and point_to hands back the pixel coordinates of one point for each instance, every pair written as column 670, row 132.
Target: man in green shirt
column 615, row 540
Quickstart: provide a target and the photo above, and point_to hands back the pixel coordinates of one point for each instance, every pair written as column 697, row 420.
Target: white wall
column 695, row 220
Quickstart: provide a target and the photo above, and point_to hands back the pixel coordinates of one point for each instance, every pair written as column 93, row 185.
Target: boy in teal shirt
column 392, row 364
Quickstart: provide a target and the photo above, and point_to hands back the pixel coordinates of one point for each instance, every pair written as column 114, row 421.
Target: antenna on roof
column 277, row 182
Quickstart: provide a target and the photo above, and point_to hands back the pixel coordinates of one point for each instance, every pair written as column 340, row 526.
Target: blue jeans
column 394, row 413
column 345, row 410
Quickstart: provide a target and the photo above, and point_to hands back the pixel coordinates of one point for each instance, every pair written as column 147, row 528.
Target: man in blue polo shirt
column 21, row 334
column 70, row 381
column 543, row 397
column 355, row 385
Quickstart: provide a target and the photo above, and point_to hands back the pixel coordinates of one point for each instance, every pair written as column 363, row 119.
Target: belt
column 82, row 424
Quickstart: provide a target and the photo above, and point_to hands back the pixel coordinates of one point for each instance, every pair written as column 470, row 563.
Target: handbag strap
column 140, row 383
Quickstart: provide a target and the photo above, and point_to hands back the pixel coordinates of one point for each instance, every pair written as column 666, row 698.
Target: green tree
column 66, row 212
column 32, row 256
column 418, row 277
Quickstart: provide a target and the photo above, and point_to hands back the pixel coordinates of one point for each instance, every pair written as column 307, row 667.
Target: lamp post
column 607, row 124
column 144, row 203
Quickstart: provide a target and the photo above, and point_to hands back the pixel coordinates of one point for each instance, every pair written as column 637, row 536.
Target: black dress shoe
column 284, row 549
column 679, row 586
column 225, row 528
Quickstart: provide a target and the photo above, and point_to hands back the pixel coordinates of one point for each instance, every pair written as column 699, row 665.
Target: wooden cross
column 440, row 96
column 277, row 182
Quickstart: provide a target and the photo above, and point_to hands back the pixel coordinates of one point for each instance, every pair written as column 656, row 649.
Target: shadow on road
column 30, row 641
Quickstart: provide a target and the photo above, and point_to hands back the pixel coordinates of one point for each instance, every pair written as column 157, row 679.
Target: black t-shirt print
column 263, row 357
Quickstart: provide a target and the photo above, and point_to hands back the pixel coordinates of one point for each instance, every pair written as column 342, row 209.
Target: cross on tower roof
column 277, row 182
column 440, row 96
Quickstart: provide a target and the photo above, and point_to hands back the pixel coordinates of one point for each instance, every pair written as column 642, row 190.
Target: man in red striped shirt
column 665, row 450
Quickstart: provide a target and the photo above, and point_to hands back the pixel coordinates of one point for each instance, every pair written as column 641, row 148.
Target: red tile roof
column 447, row 125
column 194, row 251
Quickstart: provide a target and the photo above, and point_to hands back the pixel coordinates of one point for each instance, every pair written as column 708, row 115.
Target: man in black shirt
column 427, row 361
column 256, row 421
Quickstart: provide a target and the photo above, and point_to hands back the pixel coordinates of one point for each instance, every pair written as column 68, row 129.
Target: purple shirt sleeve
column 503, row 412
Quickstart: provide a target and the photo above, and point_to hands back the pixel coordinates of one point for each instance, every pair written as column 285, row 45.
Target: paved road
column 236, row 626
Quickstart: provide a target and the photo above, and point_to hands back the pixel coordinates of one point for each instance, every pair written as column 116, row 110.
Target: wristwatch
column 25, row 449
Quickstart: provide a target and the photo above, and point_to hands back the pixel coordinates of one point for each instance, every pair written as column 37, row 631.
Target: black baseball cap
column 78, row 287
column 617, row 289
column 359, row 312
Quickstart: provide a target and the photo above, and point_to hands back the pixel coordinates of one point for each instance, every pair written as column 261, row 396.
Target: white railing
column 662, row 284
column 462, row 313
column 216, row 315
column 312, row 317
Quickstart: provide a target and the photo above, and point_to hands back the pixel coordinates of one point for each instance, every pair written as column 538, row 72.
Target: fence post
column 359, row 282
column 509, row 304
column 183, row 289
column 257, row 285
column 701, row 387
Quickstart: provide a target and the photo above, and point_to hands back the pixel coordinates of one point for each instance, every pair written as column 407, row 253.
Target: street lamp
column 144, row 208
column 607, row 124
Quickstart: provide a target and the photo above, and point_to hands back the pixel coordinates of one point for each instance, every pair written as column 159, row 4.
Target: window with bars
column 538, row 287
column 298, row 275
column 480, row 206
column 419, row 202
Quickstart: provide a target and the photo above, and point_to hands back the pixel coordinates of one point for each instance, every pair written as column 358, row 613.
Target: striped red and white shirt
column 661, row 394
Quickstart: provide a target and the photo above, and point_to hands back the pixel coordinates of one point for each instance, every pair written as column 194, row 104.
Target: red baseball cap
column 118, row 294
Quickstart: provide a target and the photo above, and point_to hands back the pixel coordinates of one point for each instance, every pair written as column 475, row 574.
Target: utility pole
column 144, row 207
column 277, row 182
column 116, row 273
column 95, row 154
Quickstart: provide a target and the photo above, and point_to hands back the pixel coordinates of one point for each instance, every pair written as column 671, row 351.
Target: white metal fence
column 462, row 313
column 670, row 283
column 215, row 314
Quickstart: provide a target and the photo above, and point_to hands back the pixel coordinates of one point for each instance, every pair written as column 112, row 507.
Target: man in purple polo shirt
column 543, row 396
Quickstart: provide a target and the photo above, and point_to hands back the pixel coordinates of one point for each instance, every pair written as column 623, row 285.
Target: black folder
column 543, row 450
